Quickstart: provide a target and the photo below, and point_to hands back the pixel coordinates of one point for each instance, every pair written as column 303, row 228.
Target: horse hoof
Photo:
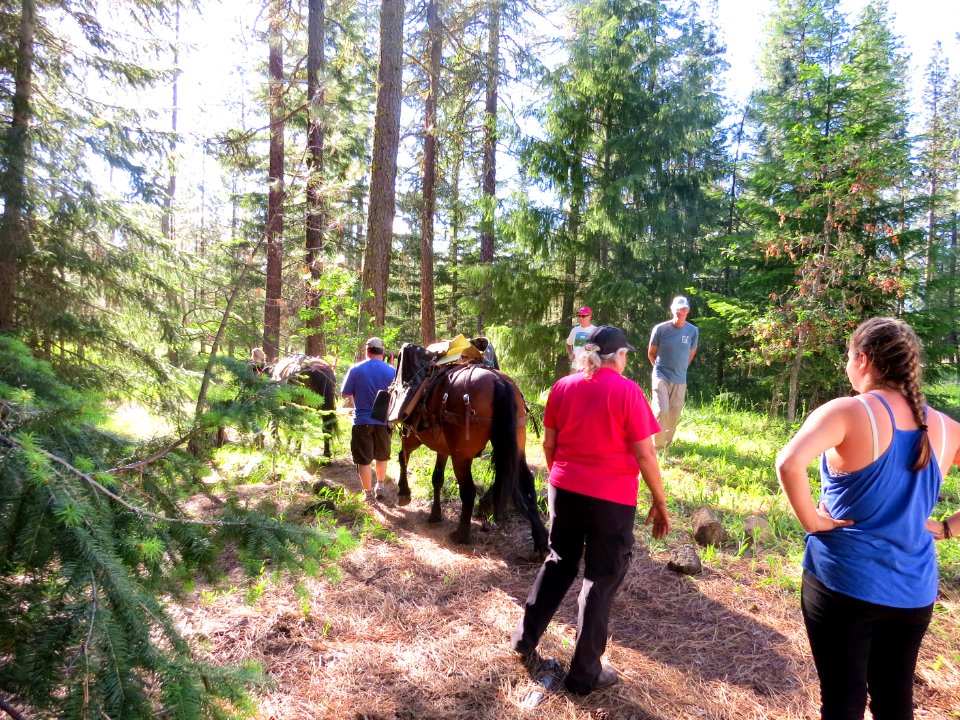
column 403, row 500
column 460, row 538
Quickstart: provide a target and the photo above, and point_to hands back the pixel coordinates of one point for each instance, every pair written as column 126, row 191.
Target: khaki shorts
column 369, row 443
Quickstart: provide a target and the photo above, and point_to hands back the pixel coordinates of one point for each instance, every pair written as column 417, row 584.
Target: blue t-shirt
column 673, row 350
column 887, row 557
column 363, row 381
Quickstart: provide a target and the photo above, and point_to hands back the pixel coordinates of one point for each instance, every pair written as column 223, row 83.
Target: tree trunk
column 795, row 378
column 931, row 240
column 166, row 222
column 952, row 292
column 487, row 228
column 428, row 323
column 271, row 310
column 174, row 300
column 383, row 172
column 453, row 321
column 14, row 225
column 489, row 169
column 562, row 365
column 316, row 215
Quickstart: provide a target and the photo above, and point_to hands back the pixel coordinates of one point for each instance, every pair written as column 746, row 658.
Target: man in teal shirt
column 672, row 347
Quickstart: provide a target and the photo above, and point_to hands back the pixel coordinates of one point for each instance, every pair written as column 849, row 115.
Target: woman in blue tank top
column 869, row 567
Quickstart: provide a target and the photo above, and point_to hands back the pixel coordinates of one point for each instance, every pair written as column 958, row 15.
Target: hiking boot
column 384, row 489
column 370, row 497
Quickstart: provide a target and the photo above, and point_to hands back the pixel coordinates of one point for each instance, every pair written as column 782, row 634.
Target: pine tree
column 315, row 202
column 275, row 185
column 89, row 542
column 939, row 181
column 631, row 145
column 826, row 188
column 386, row 137
column 77, row 247
column 434, row 54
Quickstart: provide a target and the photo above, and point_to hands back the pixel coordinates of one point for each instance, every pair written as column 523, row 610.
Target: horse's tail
column 506, row 454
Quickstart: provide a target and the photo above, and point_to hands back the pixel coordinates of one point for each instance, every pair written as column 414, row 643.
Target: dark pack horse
column 315, row 374
column 464, row 407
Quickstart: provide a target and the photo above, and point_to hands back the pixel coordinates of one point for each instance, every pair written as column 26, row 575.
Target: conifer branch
column 215, row 345
column 143, row 512
column 93, row 616
column 140, row 464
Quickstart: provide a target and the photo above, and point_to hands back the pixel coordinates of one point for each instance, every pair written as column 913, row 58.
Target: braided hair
column 893, row 349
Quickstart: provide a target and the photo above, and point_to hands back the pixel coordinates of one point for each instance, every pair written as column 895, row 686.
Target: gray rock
column 707, row 529
column 685, row 560
column 756, row 528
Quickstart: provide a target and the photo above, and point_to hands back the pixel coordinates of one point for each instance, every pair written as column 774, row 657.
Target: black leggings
column 859, row 647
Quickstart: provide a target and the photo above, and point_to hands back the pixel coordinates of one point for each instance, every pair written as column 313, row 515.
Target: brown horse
column 463, row 408
column 315, row 374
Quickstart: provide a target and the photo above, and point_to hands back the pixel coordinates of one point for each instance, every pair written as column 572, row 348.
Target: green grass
column 723, row 456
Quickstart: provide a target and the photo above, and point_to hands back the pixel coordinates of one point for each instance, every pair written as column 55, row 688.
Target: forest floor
column 412, row 625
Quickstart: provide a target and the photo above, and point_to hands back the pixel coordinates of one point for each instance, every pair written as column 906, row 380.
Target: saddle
column 419, row 369
column 293, row 365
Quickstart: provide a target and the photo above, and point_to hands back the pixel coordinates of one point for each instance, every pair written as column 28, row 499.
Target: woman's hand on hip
column 825, row 521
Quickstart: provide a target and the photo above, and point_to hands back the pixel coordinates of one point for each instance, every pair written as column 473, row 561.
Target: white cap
column 679, row 303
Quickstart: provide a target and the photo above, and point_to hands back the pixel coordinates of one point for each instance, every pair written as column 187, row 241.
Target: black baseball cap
column 609, row 339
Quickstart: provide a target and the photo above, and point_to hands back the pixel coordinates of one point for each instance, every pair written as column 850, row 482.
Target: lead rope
column 468, row 411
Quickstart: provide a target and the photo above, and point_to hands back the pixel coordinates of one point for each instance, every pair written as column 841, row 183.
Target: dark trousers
column 859, row 647
column 600, row 532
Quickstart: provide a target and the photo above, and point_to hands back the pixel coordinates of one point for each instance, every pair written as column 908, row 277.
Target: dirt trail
column 417, row 627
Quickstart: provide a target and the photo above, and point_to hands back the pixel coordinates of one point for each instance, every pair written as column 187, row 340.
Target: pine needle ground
column 416, row 627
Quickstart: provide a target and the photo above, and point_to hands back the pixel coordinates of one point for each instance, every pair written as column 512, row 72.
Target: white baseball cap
column 679, row 303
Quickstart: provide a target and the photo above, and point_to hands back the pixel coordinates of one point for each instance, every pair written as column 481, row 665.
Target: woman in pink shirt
column 598, row 437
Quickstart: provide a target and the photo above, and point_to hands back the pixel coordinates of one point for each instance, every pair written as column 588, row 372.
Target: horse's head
column 413, row 361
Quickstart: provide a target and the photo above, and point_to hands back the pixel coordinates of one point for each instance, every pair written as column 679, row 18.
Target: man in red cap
column 579, row 334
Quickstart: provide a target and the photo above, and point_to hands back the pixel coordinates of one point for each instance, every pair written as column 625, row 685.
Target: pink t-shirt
column 597, row 419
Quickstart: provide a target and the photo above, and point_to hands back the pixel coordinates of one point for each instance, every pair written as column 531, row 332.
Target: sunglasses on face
column 583, row 316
